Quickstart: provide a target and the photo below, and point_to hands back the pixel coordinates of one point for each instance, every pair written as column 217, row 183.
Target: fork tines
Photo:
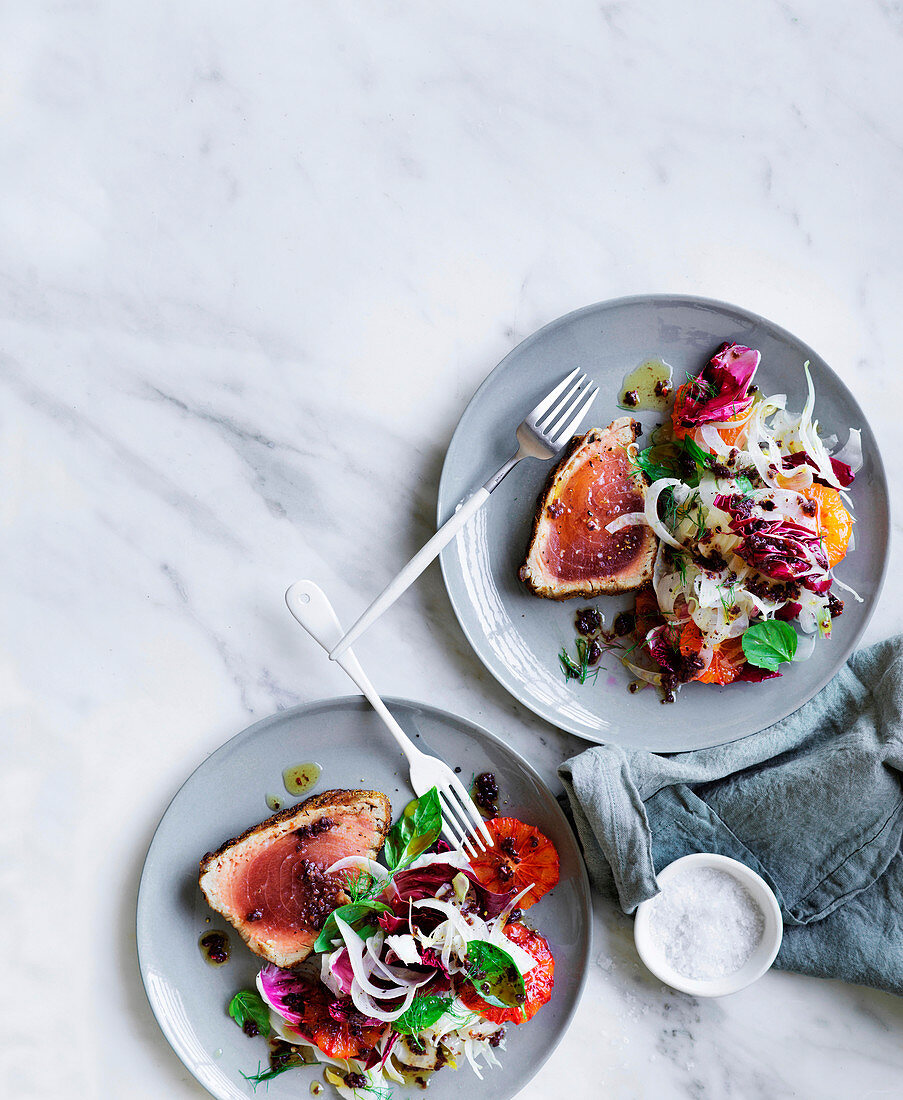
column 560, row 424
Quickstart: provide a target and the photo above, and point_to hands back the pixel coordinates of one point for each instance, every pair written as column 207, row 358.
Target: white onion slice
column 365, row 1004
column 654, row 491
column 356, row 950
column 757, row 436
column 405, row 947
column 361, row 863
column 719, row 424
column 455, row 858
column 802, row 478
column 283, row 1029
column 808, row 433
column 629, row 519
column 642, row 673
column 847, row 588
column 711, row 437
column 851, row 451
column 502, row 918
column 480, row 930
column 451, row 914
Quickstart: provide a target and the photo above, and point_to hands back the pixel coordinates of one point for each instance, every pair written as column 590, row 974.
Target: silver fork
column 462, row 823
column 543, row 433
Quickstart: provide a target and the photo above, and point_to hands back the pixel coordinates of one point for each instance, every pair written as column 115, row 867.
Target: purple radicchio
column 344, row 1012
column 286, row 992
column 842, row 471
column 421, row 882
column 424, row 882
column 780, row 549
column 720, row 390
column 409, row 886
column 342, row 971
column 752, row 675
column 489, row 903
column 663, row 643
column 789, row 611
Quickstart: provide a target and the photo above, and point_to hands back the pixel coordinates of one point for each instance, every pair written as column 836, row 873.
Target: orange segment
column 835, row 524
column 679, row 431
column 732, row 435
column 520, row 856
column 727, row 658
column 646, row 612
column 337, row 1039
column 538, row 982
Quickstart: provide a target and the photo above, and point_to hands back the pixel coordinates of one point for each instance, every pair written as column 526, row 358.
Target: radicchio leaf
column 345, row 1013
column 721, row 389
column 789, row 611
column 286, row 991
column 341, row 969
column 842, row 471
column 421, row 882
column 489, row 903
column 394, row 924
column 780, row 549
column 752, row 675
column 424, row 882
column 432, row 957
column 663, row 644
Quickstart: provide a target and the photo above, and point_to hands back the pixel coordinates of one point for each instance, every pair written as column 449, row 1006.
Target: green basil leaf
column 416, row 830
column 423, row 1013
column 350, row 914
column 248, row 1005
column 399, row 835
column 427, row 824
column 767, row 644
column 651, row 462
column 699, row 456
column 743, row 484
column 493, row 974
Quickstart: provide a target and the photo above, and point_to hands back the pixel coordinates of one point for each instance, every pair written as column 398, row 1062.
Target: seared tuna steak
column 571, row 553
column 271, row 884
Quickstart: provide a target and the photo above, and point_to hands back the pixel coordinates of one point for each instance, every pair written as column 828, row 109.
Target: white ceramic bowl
column 653, row 955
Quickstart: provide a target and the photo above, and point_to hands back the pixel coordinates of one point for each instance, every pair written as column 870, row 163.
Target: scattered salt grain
column 706, row 922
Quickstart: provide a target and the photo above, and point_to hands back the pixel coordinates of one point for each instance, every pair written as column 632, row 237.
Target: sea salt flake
column 706, row 922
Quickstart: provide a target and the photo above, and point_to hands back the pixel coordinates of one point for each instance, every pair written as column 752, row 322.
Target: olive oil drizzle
column 648, row 387
column 301, row 777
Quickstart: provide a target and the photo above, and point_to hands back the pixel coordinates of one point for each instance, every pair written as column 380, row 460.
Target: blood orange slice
column 538, row 982
column 521, row 856
column 336, row 1036
column 835, row 524
column 727, row 658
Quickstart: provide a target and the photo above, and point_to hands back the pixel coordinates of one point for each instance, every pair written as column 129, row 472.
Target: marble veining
column 254, row 261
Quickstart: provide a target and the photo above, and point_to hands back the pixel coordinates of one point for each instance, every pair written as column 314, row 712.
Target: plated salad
column 424, row 965
column 750, row 507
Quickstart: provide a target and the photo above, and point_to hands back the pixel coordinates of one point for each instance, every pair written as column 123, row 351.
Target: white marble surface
column 254, row 260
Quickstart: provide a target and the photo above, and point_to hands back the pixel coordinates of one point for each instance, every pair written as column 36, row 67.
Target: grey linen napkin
column 814, row 804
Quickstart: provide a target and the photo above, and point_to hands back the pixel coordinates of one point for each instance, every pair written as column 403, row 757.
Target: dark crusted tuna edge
column 326, row 800
column 574, row 445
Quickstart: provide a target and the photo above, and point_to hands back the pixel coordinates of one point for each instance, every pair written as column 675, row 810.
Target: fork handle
column 310, row 606
column 412, row 570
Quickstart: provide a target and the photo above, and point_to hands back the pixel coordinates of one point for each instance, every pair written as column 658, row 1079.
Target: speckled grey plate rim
column 677, row 738
column 501, row 1084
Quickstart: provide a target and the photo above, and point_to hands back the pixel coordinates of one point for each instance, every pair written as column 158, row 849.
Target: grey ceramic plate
column 518, row 636
column 227, row 794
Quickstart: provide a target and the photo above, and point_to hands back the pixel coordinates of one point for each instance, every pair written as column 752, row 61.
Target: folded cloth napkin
column 814, row 804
